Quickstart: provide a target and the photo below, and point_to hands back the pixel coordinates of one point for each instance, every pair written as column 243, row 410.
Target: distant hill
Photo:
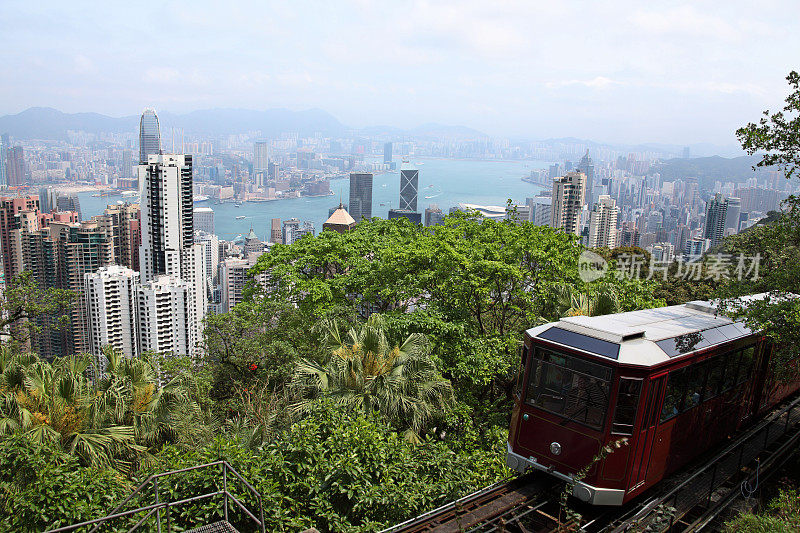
column 48, row 123
column 709, row 169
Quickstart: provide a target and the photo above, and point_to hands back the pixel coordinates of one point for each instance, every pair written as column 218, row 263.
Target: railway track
column 691, row 501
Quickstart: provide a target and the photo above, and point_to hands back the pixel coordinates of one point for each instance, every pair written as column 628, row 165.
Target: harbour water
column 444, row 182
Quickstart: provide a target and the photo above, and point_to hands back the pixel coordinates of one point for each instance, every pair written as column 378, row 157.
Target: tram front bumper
column 582, row 491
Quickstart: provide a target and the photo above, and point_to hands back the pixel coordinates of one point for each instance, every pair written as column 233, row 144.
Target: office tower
column 3, row 160
column 416, row 218
column 716, row 215
column 568, row 199
column 332, row 210
column 127, row 164
column 409, row 184
column 339, row 220
column 733, row 212
column 168, row 246
column 204, row 219
column 433, row 215
column 261, row 156
column 110, row 300
column 387, row 153
column 360, row 196
column 587, row 167
column 123, row 224
column 48, row 199
column 163, row 310
column 252, row 245
column 15, row 166
column 149, row 136
column 10, row 209
column 68, row 203
column 603, row 223
column 696, row 247
column 540, row 210
column 275, row 235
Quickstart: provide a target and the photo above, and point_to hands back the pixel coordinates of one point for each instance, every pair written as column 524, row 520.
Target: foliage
column 782, row 515
column 113, row 420
column 23, row 301
column 336, row 471
column 365, row 373
column 777, row 134
column 41, row 487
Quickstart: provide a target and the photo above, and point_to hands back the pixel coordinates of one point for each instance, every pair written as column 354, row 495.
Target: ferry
column 240, row 217
column 200, row 198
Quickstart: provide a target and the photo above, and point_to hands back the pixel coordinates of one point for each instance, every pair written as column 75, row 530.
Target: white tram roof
column 649, row 336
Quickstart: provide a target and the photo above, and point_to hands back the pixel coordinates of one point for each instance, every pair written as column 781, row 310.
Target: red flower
column 253, row 367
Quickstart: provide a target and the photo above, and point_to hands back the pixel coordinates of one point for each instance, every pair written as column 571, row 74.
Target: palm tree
column 365, row 373
column 111, row 421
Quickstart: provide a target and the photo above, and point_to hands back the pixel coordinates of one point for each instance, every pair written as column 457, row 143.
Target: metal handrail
column 158, row 505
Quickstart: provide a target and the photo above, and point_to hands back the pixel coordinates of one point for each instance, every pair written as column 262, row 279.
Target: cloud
column 598, row 82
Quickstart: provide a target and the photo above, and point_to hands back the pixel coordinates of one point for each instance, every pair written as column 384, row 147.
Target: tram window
column 627, row 404
column 569, row 386
column 715, row 377
column 745, row 364
column 693, row 393
column 731, row 370
column 676, row 384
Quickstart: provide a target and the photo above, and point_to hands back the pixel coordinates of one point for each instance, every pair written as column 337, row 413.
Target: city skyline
column 517, row 69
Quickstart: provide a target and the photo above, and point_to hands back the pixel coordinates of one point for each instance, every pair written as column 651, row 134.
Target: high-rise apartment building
column 204, row 219
column 3, row 160
column 10, row 209
column 149, row 135
column 110, row 301
column 716, row 216
column 261, row 157
column 587, row 167
column 603, row 223
column 360, row 206
column 387, row 153
column 164, row 311
column 168, row 246
column 233, row 278
column 123, row 225
column 15, row 166
column 568, row 199
column 409, row 185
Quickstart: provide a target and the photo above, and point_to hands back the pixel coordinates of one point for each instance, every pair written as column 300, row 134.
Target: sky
column 617, row 71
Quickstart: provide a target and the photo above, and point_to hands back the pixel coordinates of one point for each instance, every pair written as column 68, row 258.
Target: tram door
column 647, row 431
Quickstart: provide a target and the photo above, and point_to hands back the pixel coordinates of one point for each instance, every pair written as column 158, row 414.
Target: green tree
column 365, row 373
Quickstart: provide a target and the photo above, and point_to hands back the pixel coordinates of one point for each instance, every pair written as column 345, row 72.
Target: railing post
column 158, row 510
column 169, row 518
column 261, row 511
column 225, row 488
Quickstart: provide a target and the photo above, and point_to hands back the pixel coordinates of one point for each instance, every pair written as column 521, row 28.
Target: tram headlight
column 555, row 448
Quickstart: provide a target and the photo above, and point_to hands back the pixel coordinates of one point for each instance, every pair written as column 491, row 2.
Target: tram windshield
column 569, row 386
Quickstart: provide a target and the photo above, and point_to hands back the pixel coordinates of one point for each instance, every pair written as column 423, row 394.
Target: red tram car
column 674, row 381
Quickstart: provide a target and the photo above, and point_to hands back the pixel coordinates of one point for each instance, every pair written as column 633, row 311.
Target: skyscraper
column 387, row 153
column 587, row 167
column 149, row 135
column 261, row 157
column 275, row 235
column 111, row 310
column 3, row 157
column 733, row 211
column 603, row 223
column 360, row 195
column 433, row 215
column 15, row 166
column 568, row 199
column 168, row 246
column 409, row 185
column 123, row 225
column 68, row 202
column 204, row 219
column 716, row 215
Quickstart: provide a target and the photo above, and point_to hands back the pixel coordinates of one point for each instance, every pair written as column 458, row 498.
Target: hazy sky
column 624, row 71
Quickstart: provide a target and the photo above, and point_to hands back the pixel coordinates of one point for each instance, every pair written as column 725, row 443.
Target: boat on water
column 240, row 217
column 197, row 198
